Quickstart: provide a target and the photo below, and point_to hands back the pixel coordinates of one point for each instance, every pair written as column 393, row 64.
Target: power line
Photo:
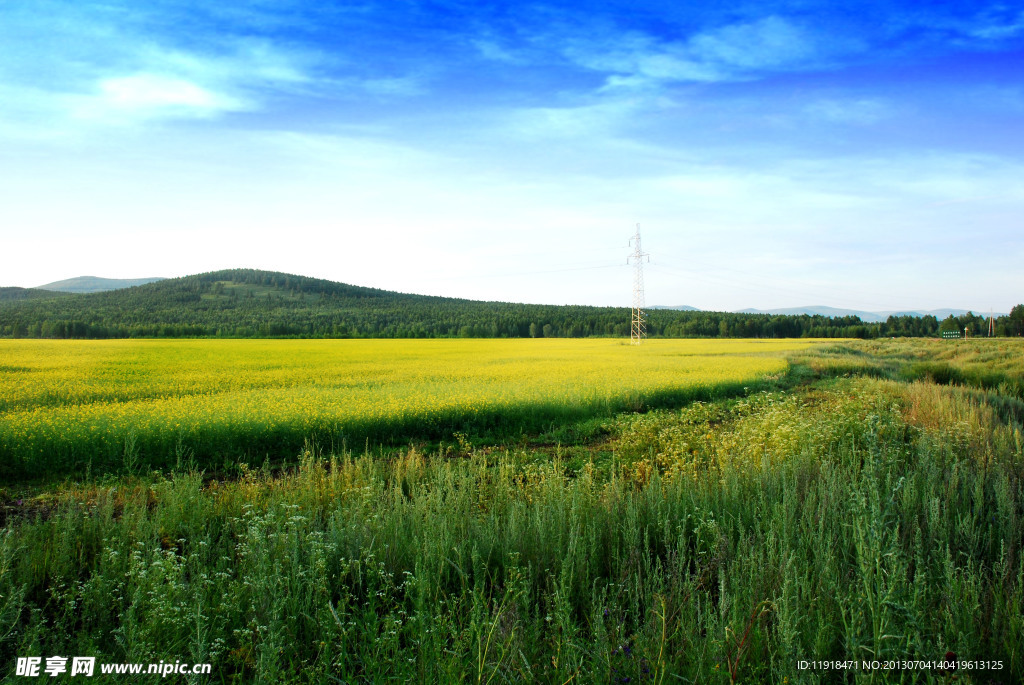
column 547, row 271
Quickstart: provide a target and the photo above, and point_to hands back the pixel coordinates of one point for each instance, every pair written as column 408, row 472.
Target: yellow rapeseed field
column 65, row 404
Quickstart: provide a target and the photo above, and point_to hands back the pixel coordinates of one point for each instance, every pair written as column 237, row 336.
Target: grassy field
column 862, row 505
column 108, row 405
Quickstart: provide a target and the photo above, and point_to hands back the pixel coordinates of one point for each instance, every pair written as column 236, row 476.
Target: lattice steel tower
column 638, row 331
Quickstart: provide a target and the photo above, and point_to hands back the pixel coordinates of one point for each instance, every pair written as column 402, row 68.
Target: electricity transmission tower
column 638, row 331
column 992, row 324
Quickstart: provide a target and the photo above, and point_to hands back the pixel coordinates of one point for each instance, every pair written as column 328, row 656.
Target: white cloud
column 240, row 62
column 159, row 92
column 492, row 50
column 859, row 112
column 636, row 59
column 402, row 86
column 731, row 52
column 86, row 66
column 597, row 121
column 998, row 30
column 766, row 43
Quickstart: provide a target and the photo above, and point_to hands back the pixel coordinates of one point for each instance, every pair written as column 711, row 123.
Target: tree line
column 246, row 303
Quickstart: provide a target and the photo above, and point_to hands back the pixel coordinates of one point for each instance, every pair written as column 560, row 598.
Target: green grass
column 993, row 364
column 847, row 513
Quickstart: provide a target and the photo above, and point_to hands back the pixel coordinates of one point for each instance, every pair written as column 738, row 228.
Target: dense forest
column 18, row 294
column 245, row 303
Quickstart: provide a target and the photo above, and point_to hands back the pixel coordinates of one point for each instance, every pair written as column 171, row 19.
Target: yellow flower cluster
column 72, row 396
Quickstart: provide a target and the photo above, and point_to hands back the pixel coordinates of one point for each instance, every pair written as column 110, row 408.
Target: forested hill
column 250, row 303
column 12, row 294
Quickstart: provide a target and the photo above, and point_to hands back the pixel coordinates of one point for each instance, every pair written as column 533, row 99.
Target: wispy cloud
column 705, row 46
column 408, row 85
column 596, row 122
column 853, row 111
column 997, row 28
column 88, row 65
column 766, row 43
column 182, row 86
column 731, row 52
column 148, row 94
column 490, row 49
column 175, row 83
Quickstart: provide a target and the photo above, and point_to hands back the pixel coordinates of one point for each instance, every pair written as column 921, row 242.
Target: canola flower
column 66, row 404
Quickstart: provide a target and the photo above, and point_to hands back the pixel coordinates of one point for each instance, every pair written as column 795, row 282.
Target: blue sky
column 775, row 154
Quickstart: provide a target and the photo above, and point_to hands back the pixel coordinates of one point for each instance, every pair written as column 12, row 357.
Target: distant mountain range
column 868, row 317
column 93, row 284
column 676, row 308
column 833, row 312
